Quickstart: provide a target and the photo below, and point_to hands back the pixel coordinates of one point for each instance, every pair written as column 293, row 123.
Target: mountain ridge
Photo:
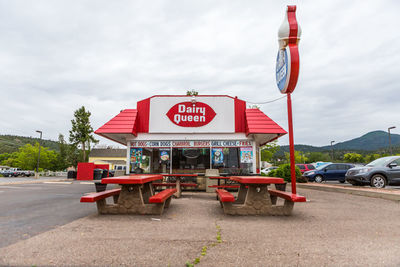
column 371, row 141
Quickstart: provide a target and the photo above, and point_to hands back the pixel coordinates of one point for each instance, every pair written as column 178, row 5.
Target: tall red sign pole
column 287, row 72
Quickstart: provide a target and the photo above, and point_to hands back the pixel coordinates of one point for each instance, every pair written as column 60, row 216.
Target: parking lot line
column 10, row 187
column 86, row 183
column 57, row 182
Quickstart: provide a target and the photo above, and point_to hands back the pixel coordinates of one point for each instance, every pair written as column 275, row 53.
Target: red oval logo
column 188, row 114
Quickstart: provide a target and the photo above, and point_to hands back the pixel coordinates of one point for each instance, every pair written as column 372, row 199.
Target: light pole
column 390, row 143
column 37, row 167
column 332, row 148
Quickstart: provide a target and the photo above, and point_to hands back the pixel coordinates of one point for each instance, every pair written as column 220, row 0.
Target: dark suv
column 377, row 173
column 329, row 172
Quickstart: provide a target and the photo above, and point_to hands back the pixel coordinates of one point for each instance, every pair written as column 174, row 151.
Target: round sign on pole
column 287, row 69
column 283, row 69
column 287, row 61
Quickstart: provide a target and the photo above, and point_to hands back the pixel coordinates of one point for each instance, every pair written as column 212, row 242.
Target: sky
column 57, row 56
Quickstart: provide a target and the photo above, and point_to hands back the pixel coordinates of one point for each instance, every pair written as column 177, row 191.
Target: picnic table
column 136, row 196
column 179, row 177
column 228, row 183
column 254, row 197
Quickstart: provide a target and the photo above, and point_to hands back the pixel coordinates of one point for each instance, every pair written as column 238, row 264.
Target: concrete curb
column 38, row 181
column 353, row 191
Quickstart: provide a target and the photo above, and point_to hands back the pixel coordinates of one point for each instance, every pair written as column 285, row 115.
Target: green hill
column 11, row 143
column 373, row 141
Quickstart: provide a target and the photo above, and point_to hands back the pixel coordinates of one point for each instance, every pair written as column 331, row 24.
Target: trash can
column 105, row 173
column 71, row 175
column 97, row 174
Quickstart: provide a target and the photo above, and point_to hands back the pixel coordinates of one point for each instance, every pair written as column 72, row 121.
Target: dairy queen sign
column 287, row 72
column 188, row 114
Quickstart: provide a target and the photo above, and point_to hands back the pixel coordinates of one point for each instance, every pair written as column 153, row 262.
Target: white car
column 267, row 170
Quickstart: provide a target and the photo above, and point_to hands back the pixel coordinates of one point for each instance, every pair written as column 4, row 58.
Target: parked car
column 305, row 167
column 378, row 173
column 267, row 170
column 15, row 172
column 329, row 172
column 6, row 173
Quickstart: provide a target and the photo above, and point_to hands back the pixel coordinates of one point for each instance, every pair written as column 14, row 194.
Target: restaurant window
column 232, row 160
column 194, row 159
column 160, row 160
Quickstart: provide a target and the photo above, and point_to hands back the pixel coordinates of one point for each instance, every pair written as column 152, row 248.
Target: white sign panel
column 183, row 115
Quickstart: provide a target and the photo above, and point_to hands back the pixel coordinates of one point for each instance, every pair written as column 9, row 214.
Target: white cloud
column 107, row 55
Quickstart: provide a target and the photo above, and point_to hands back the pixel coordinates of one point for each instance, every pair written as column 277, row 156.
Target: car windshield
column 379, row 162
column 321, row 167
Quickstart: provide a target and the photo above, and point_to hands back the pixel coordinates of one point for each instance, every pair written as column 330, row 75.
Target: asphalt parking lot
column 331, row 229
column 29, row 209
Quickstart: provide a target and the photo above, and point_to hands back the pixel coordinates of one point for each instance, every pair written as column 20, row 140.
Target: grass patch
column 204, row 248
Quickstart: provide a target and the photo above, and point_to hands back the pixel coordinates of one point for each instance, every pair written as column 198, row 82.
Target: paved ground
column 29, row 209
column 333, row 229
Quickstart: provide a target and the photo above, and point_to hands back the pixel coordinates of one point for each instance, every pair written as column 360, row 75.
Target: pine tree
column 81, row 133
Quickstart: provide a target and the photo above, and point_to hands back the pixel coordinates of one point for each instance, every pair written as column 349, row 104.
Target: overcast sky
column 106, row 55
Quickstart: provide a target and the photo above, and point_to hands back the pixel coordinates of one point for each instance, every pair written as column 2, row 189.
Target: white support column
column 259, row 158
column 254, row 157
column 170, row 158
column 210, row 156
column 128, row 157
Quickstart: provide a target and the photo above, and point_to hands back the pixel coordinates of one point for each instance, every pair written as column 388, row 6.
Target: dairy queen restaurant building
column 192, row 135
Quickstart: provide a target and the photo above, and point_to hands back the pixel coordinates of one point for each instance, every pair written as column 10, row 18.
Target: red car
column 305, row 167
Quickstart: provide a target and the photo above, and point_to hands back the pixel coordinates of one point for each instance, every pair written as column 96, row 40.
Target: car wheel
column 318, row 179
column 378, row 181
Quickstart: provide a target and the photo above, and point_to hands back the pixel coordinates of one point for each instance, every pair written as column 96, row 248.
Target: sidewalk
column 385, row 193
column 329, row 230
column 29, row 180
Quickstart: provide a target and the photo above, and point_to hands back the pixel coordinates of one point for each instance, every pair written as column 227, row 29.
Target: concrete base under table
column 256, row 201
column 133, row 199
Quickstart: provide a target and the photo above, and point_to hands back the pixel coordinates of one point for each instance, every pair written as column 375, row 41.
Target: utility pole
column 332, row 149
column 37, row 167
column 390, row 142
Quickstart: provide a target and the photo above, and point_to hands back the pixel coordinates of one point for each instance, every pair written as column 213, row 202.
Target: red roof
column 259, row 123
column 124, row 122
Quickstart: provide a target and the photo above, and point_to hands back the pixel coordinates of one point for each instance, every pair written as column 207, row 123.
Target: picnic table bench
column 228, row 183
column 178, row 181
column 174, row 184
column 257, row 199
column 135, row 197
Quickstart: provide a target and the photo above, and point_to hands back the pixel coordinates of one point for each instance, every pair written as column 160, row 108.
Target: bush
column 283, row 171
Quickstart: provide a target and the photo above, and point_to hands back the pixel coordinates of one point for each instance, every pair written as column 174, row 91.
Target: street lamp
column 37, row 167
column 332, row 148
column 390, row 143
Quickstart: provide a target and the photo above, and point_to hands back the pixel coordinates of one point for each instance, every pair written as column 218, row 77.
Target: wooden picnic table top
column 257, row 180
column 180, row 175
column 133, row 179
